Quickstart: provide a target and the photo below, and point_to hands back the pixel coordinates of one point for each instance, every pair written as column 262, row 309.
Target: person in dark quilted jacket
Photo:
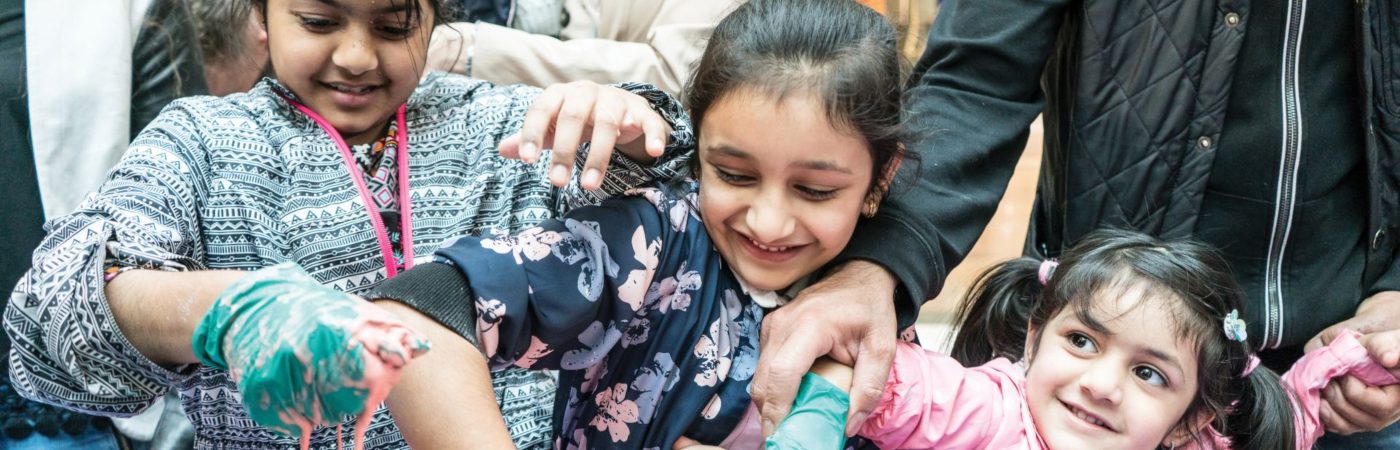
column 1270, row 130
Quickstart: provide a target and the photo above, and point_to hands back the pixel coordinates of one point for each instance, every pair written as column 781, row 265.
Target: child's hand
column 303, row 354
column 566, row 115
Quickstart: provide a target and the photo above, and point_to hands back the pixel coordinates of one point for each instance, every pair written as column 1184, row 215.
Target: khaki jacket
column 606, row 41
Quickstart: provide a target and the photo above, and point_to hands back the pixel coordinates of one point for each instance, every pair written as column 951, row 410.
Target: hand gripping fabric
column 303, row 354
column 817, row 420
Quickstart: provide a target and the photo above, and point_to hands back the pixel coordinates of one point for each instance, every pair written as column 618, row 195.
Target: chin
column 767, row 280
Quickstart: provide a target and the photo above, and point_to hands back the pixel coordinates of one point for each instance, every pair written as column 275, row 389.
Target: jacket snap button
column 1204, row 142
column 1232, row 19
column 1376, row 240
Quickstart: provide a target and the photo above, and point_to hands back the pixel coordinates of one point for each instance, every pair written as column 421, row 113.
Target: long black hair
column 839, row 51
column 1253, row 410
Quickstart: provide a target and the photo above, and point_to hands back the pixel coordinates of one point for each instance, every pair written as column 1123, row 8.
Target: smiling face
column 352, row 61
column 1123, row 381
column 780, row 187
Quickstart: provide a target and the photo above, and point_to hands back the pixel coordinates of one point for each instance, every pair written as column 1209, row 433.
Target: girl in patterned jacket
column 1132, row 343
column 649, row 306
column 348, row 166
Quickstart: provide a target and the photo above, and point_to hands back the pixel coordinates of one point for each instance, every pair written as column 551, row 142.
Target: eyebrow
column 1093, row 324
column 806, row 164
column 1166, row 358
column 392, row 8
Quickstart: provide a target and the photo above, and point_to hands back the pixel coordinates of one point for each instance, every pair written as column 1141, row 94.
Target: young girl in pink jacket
column 1128, row 343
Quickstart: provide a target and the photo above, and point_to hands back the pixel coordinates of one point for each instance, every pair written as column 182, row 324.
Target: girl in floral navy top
column 650, row 305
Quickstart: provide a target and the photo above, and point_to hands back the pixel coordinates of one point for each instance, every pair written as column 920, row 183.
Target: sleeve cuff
column 918, row 272
column 438, row 291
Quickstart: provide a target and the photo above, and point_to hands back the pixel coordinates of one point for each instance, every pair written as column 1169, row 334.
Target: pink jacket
column 932, row 401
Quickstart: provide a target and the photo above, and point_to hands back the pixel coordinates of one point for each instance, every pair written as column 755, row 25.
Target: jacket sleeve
column 557, row 296
column 67, row 349
column 1316, row 369
column 932, row 401
column 662, row 54
column 974, row 93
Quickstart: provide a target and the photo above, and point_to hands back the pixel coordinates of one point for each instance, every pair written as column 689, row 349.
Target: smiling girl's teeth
column 767, row 248
column 359, row 90
column 1088, row 418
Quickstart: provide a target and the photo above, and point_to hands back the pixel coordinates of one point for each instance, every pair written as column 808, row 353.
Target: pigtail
column 1263, row 418
column 995, row 313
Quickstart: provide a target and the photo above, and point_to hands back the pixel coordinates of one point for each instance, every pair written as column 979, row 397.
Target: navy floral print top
column 652, row 334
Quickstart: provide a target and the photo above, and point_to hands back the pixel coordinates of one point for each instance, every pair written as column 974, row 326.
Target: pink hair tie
column 1250, row 366
column 1047, row 268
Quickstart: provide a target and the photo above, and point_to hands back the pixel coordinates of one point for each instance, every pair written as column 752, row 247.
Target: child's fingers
column 539, row 120
column 569, row 126
column 607, row 118
column 654, row 127
column 509, row 147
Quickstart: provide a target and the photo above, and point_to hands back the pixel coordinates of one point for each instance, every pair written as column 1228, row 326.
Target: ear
column 882, row 185
column 1189, row 429
column 259, row 19
column 1029, row 348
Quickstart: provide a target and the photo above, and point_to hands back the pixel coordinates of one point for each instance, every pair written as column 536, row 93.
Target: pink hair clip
column 1047, row 268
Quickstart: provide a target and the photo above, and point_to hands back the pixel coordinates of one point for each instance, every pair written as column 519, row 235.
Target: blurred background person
column 65, row 120
column 557, row 41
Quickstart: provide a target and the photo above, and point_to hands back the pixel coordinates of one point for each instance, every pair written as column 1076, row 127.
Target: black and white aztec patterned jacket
column 247, row 181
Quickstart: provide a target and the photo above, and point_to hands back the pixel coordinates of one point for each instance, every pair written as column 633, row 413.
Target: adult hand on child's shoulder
column 1349, row 404
column 565, row 116
column 849, row 315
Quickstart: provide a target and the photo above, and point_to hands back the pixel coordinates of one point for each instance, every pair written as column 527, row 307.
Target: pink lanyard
column 357, row 175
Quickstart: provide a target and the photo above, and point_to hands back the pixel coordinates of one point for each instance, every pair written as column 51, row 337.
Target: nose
column 355, row 55
column 769, row 219
column 1102, row 382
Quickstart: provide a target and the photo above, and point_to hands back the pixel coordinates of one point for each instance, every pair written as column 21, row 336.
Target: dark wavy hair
column 1254, row 411
column 412, row 12
column 838, row 50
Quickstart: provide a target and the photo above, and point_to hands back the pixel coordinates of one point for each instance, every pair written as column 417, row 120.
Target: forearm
column 445, row 391
column 158, row 311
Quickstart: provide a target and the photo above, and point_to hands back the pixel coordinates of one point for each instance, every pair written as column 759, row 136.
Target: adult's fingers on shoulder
column 872, row 370
column 783, row 375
